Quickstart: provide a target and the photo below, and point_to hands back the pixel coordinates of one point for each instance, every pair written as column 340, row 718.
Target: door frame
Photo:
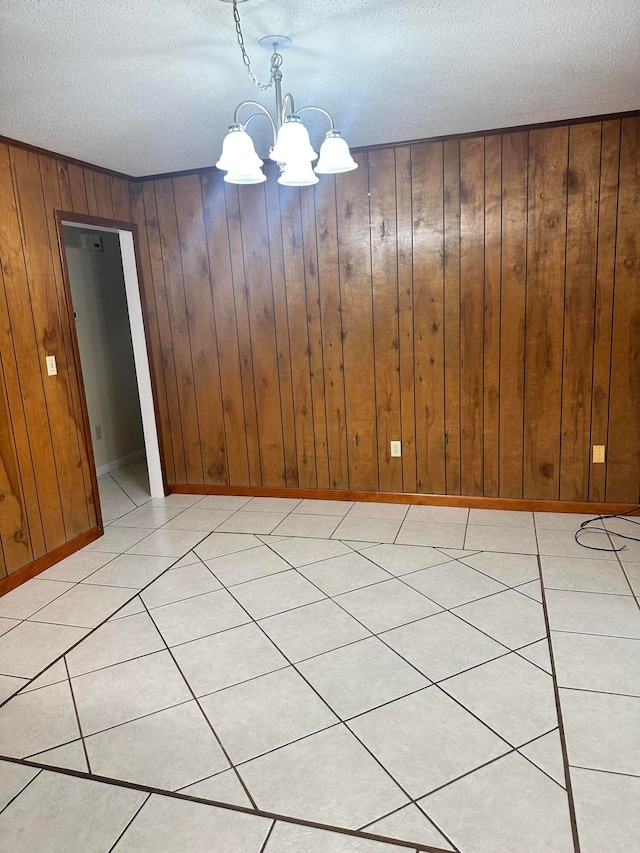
column 140, row 336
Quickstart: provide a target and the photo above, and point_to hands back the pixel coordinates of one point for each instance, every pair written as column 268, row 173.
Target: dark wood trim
column 359, row 149
column 46, row 152
column 47, row 560
column 406, row 498
column 61, row 217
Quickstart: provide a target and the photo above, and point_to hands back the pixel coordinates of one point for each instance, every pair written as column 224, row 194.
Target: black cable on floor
column 584, row 527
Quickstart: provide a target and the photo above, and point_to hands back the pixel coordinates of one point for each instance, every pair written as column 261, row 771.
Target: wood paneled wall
column 476, row 298
column 46, row 494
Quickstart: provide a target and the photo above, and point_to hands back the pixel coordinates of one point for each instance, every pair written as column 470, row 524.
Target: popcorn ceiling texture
column 151, row 86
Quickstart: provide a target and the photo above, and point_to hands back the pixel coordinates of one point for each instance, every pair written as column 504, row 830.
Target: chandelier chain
column 276, row 59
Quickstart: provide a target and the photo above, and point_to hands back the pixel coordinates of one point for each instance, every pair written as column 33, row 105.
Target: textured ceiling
column 149, row 86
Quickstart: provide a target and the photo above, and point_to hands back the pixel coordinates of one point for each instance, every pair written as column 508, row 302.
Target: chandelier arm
column 287, row 104
column 262, row 111
column 262, row 115
column 318, row 110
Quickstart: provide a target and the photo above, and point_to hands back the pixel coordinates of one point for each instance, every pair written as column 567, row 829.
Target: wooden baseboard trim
column 47, row 560
column 525, row 504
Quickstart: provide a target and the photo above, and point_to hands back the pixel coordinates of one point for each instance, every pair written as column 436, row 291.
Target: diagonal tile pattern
column 381, row 679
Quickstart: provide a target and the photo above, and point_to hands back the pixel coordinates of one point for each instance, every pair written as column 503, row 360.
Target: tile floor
column 374, row 668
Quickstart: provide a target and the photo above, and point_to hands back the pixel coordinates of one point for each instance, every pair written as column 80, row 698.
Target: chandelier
column 291, row 149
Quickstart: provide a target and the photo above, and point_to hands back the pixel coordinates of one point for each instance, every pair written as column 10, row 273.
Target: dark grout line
column 608, row 772
column 268, row 836
column 129, row 823
column 24, row 787
column 75, row 710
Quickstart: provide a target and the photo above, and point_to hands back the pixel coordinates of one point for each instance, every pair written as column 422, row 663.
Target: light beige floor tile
column 232, row 502
column 402, row 559
column 39, row 720
column 373, row 509
column 601, row 730
column 632, row 571
column 276, row 593
column 166, row 824
column 425, row 740
column 301, row 552
column 584, row 575
column 410, row 824
column 501, row 518
column 298, row 838
column 386, row 605
column 77, row 567
column 505, row 807
column 176, row 500
column 546, row 753
column 13, row 779
column 593, row 613
column 7, row 624
column 248, row 565
column 592, row 662
column 83, row 606
column 532, row 589
column 132, row 571
column 510, row 569
column 125, row 691
column 284, row 505
column 30, row 597
column 312, row 630
column 148, row 516
column 510, row 695
column 252, row 522
column 313, row 507
column 117, row 540
column 31, row 646
column 439, row 514
column 9, row 685
column 538, row 653
column 452, row 583
column 70, row 755
column 328, row 777
column 129, row 609
column 266, row 713
column 442, row 645
column 512, row 540
column 560, row 520
column 316, row 526
column 607, row 811
column 198, row 519
column 510, row 618
column 73, row 815
column 367, row 529
column 224, row 787
column 131, row 751
column 562, row 543
column 52, row 675
column 342, row 574
column 179, row 583
column 167, row 543
column 219, row 544
column 197, row 617
column 115, row 642
column 361, row 676
column 213, row 663
column 431, row 533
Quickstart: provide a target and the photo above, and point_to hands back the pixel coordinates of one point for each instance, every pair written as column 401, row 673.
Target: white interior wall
column 106, row 350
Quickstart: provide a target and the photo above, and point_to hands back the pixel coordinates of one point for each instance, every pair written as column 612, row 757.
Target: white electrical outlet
column 98, row 433
column 396, row 448
column 52, row 370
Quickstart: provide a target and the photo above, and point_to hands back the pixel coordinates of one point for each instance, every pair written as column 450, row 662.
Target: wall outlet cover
column 396, row 448
column 52, row 369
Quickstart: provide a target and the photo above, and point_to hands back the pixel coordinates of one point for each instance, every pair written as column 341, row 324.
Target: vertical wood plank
column 515, row 155
column 202, row 333
column 66, row 201
column 384, row 281
column 78, row 189
column 451, row 193
column 104, row 201
column 357, row 322
column 607, row 219
column 121, row 199
column 580, row 285
column 90, row 189
column 471, row 314
column 492, row 286
column 404, row 214
column 548, row 159
column 428, row 315
column 226, row 327
column 244, row 336
column 332, row 339
column 623, row 466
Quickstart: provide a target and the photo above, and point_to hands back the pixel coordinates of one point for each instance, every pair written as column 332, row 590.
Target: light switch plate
column 598, row 452
column 396, row 448
column 52, row 370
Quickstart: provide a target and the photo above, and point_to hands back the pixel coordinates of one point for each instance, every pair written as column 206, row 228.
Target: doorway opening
column 107, row 309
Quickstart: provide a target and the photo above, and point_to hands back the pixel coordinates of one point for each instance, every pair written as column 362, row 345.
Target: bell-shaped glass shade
column 238, row 152
column 335, row 156
column 293, row 142
column 242, row 175
column 298, row 173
